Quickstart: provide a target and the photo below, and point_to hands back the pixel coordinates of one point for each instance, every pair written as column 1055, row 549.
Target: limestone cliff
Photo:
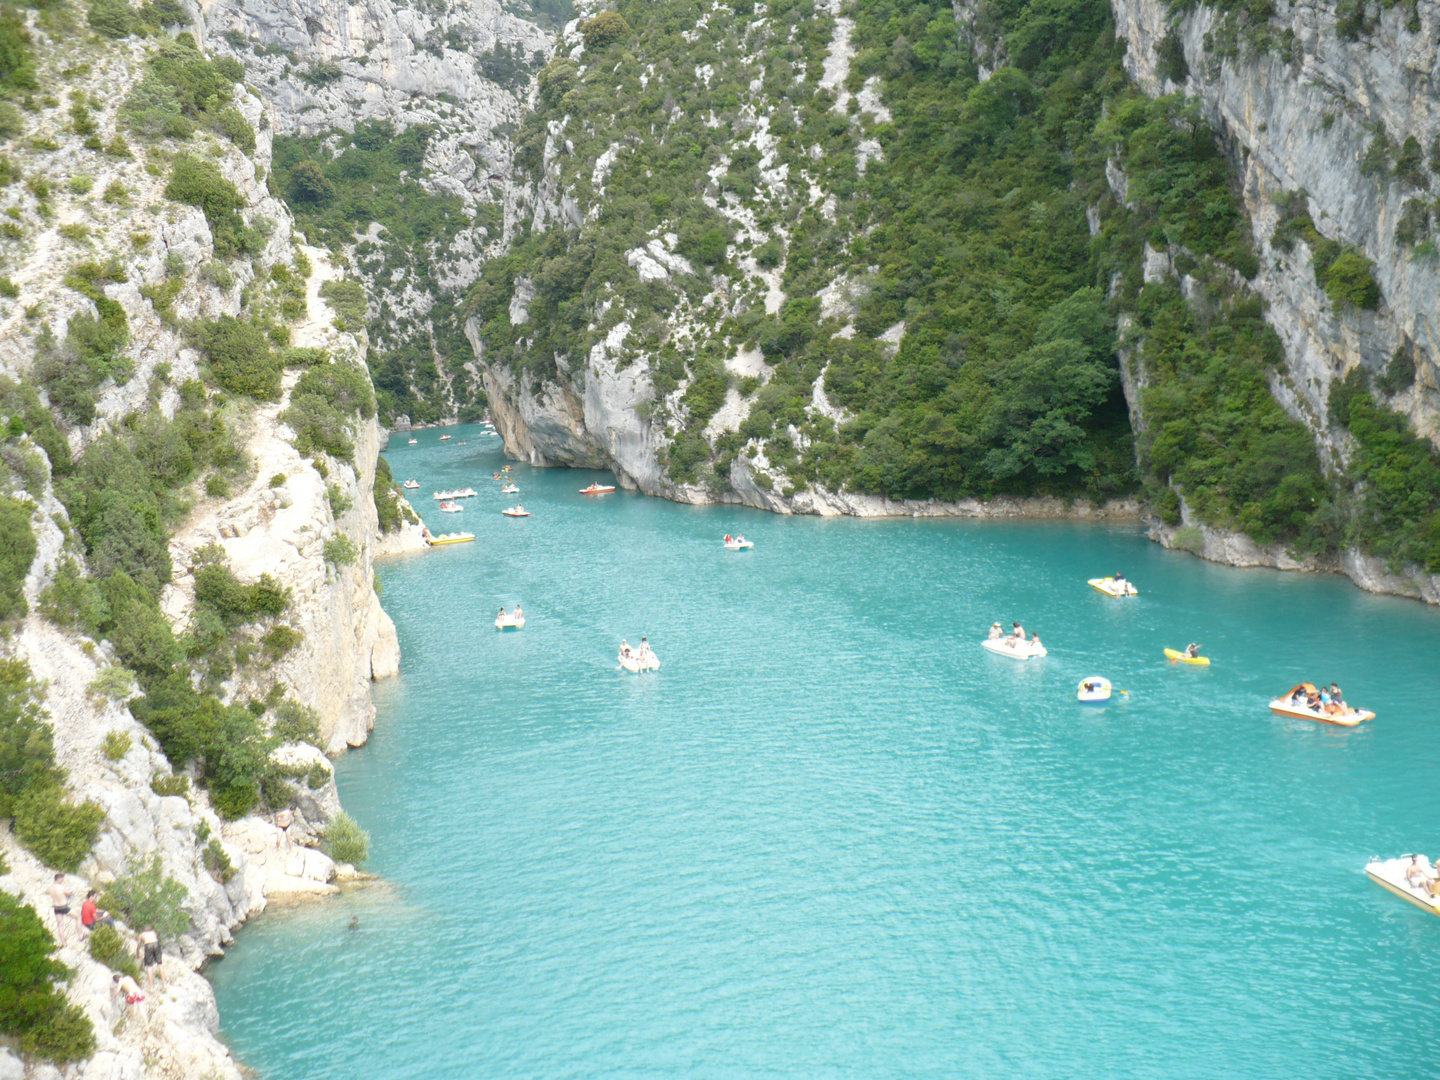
column 1315, row 104
column 143, row 260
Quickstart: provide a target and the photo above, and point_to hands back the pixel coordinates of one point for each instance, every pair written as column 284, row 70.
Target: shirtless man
column 60, row 901
column 283, row 820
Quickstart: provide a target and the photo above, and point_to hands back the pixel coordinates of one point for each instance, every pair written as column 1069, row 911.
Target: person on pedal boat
column 645, row 653
column 1192, row 650
column 1017, row 634
column 1035, row 641
column 1338, row 698
column 518, row 615
column 625, row 651
column 995, row 632
column 1417, row 875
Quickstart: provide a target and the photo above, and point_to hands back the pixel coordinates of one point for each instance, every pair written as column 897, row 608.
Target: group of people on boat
column 516, row 615
column 1327, row 700
column 1015, row 638
column 1423, row 877
column 642, row 654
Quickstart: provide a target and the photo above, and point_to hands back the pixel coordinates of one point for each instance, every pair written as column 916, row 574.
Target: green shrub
column 387, row 503
column 217, row 487
column 197, row 182
column 17, row 67
column 112, row 683
column 181, row 89
column 236, row 128
column 116, row 745
column 1350, row 282
column 32, row 1007
column 27, row 755
column 113, row 18
column 216, row 861
column 162, row 784
column 144, row 896
column 58, row 832
column 107, row 946
column 604, row 29
column 323, row 405
column 347, row 300
column 339, row 550
column 280, row 640
column 12, row 123
column 339, row 499
column 218, row 590
column 116, row 194
column 296, row 723
column 1190, row 539
column 17, row 552
column 80, row 185
column 278, row 480
column 345, row 841
column 317, row 777
column 240, row 357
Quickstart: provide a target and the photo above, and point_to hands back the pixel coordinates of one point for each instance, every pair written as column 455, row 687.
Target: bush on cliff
column 59, row 832
column 108, row 947
column 17, row 551
column 146, row 896
column 32, row 1007
column 182, row 89
column 240, row 357
column 27, row 755
column 345, row 841
column 198, row 183
column 323, row 407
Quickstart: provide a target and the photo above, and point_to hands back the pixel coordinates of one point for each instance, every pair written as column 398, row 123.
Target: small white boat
column 738, row 543
column 1288, row 706
column 449, row 538
column 597, row 489
column 1392, row 875
column 513, row 621
column 640, row 660
column 466, row 493
column 1094, row 691
column 444, row 438
column 516, row 511
column 414, row 441
column 1015, row 648
column 509, row 489
column 443, row 496
column 450, row 508
column 1113, row 586
column 411, row 485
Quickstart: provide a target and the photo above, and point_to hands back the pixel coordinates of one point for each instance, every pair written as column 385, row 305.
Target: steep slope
column 186, row 474
column 393, row 124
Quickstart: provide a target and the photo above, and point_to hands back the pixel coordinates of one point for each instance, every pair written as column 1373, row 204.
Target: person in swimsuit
column 1338, row 699
column 518, row 614
column 1192, row 650
column 148, row 952
column 625, row 649
column 283, row 820
column 1035, row 641
column 995, row 632
column 60, row 901
column 1017, row 635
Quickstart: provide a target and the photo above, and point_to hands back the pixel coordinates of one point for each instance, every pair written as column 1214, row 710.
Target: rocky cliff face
column 460, row 73
column 1301, row 115
column 1338, row 108
column 160, row 267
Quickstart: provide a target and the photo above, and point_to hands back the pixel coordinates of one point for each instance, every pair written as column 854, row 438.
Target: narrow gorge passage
column 833, row 836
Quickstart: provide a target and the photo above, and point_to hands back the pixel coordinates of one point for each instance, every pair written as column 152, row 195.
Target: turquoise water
column 835, row 837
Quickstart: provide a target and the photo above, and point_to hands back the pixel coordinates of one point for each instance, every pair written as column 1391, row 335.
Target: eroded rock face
column 1305, row 125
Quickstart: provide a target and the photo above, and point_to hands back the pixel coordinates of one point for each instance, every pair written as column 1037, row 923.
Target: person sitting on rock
column 91, row 914
column 283, row 820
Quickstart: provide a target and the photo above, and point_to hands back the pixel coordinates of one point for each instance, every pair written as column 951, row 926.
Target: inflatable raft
column 1389, row 874
column 451, row 538
column 1176, row 654
column 1283, row 706
column 1007, row 646
column 1111, row 587
column 1094, row 691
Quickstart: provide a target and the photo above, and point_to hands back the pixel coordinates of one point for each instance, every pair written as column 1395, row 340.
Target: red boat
column 597, row 489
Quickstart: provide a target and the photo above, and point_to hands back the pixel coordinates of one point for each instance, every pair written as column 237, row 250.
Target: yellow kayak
column 1176, row 654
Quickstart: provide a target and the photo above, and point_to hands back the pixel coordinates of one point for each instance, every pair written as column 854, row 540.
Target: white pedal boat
column 1285, row 706
column 444, row 438
column 516, row 511
column 635, row 665
column 1111, row 587
column 510, row 622
column 509, row 489
column 1008, row 646
column 1094, row 691
column 739, row 543
column 411, row 485
column 1389, row 874
column 450, row 508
